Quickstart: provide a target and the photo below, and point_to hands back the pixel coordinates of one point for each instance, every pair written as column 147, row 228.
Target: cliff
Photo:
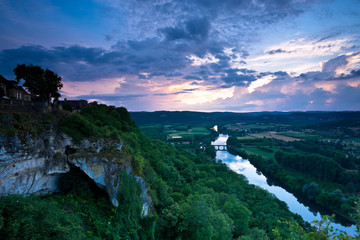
column 33, row 164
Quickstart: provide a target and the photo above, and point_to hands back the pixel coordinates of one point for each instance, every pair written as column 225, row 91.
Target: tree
column 239, row 214
column 195, row 218
column 311, row 189
column 42, row 83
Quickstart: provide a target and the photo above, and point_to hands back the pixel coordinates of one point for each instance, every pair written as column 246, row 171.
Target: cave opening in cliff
column 76, row 181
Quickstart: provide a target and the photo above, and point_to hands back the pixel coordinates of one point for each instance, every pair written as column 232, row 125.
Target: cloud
column 112, row 97
column 300, row 55
column 333, row 64
column 279, row 50
column 341, row 67
column 195, row 29
column 215, row 7
column 260, row 82
column 343, row 64
column 192, row 77
column 78, row 63
column 308, row 47
column 165, row 51
column 234, row 77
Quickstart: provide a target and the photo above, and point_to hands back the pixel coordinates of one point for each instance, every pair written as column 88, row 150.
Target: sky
column 199, row 55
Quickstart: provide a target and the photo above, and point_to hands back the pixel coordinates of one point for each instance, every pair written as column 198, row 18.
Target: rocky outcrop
column 34, row 164
column 31, row 165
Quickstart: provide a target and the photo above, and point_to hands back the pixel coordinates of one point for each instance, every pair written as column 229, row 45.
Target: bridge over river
column 220, row 147
column 245, row 168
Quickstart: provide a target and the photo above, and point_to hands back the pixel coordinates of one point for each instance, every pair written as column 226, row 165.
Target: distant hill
column 169, row 117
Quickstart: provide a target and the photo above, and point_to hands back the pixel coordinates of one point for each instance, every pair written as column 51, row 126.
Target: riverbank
column 244, row 167
column 257, row 161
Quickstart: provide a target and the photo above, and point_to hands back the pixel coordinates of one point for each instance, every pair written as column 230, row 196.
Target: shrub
column 78, row 127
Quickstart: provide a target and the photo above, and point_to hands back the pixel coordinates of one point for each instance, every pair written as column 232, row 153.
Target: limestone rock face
column 104, row 173
column 34, row 164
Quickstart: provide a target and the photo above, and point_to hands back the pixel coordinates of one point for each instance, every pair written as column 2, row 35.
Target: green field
column 287, row 136
column 257, row 151
column 302, row 135
column 188, row 133
column 246, row 137
column 245, row 126
column 171, row 131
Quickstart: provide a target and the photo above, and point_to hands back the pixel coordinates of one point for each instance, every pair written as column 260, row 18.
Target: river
column 244, row 167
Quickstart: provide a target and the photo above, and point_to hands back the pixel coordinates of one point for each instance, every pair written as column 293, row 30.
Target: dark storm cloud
column 246, row 71
column 233, row 78
column 326, row 76
column 355, row 73
column 79, row 63
column 315, row 76
column 192, row 77
column 178, row 29
column 61, row 59
column 352, row 74
column 176, row 74
column 195, row 29
column 281, row 74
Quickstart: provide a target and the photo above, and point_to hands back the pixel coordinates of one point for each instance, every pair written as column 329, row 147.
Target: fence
column 24, row 105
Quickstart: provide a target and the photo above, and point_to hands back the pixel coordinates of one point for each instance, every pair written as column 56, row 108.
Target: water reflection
column 244, row 167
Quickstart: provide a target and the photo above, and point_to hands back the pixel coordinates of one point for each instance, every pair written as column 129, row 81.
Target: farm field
column 275, row 135
column 266, row 154
column 175, row 131
column 255, row 126
column 191, row 132
column 287, row 136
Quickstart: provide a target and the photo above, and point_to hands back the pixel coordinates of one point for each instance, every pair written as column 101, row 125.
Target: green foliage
column 311, row 190
column 240, row 214
column 196, row 217
column 23, row 123
column 322, row 230
column 193, row 197
column 232, row 141
column 40, row 82
column 295, row 171
column 102, row 116
column 138, row 164
column 210, row 151
column 129, row 211
column 100, row 220
column 78, row 127
column 326, row 168
column 98, row 120
column 184, row 185
column 36, row 218
column 255, row 234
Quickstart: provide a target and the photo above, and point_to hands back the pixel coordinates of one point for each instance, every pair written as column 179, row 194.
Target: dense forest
column 193, row 196
column 314, row 170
